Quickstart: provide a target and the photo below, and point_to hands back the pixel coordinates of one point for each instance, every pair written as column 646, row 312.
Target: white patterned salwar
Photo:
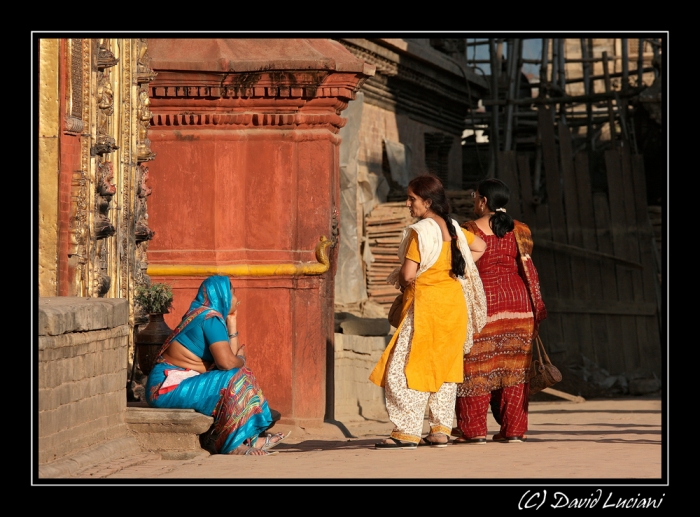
column 406, row 407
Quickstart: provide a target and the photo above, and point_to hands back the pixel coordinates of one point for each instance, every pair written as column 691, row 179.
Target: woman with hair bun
column 497, row 369
column 443, row 305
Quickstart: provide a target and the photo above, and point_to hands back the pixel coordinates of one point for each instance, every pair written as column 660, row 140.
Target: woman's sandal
column 469, row 441
column 269, row 444
column 245, row 450
column 509, row 439
column 398, row 444
column 430, row 443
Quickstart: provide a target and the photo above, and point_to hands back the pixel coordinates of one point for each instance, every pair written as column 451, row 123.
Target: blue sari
column 232, row 397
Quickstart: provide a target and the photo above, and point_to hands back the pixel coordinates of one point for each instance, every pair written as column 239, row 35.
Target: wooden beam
column 584, row 252
column 563, row 395
column 600, row 306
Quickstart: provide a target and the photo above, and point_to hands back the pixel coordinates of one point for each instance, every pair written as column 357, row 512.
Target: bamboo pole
column 512, row 67
column 518, row 75
column 587, row 87
column 611, row 111
column 562, row 80
column 610, row 74
column 493, row 136
column 541, row 96
column 555, row 70
column 597, row 97
column 656, row 49
column 625, row 64
column 543, row 67
column 640, row 62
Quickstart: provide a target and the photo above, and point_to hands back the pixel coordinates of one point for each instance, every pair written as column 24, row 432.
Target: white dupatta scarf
column 430, row 246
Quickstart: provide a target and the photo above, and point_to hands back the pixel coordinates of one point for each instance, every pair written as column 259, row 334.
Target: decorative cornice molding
column 249, row 120
column 270, row 85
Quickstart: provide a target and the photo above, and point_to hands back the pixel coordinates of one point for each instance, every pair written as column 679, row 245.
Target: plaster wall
column 379, row 124
column 247, row 172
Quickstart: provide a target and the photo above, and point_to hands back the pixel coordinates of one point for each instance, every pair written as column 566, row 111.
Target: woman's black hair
column 430, row 187
column 497, row 195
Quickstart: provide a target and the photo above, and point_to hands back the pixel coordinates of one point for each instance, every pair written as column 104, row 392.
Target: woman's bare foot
column 437, row 438
column 244, row 450
column 270, row 440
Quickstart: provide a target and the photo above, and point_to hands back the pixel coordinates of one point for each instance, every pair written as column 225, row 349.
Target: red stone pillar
column 246, row 135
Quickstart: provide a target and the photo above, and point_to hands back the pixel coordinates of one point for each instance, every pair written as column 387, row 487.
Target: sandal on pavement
column 456, row 431
column 250, row 451
column 509, row 439
column 269, row 444
column 398, row 444
column 425, row 442
column 469, row 441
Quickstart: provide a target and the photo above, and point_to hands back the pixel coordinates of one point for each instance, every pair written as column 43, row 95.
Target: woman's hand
column 242, row 354
column 231, row 323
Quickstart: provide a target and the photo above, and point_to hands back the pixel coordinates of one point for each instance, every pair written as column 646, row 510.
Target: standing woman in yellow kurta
column 443, row 304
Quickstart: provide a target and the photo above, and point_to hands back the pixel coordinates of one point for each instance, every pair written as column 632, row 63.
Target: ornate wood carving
column 144, row 118
column 142, row 231
column 104, row 190
column 76, row 79
column 108, row 108
column 105, row 56
column 142, row 234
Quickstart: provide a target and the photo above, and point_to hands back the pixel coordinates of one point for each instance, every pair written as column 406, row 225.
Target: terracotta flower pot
column 149, row 340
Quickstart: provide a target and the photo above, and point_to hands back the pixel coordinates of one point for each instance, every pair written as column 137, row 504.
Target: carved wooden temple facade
column 93, row 166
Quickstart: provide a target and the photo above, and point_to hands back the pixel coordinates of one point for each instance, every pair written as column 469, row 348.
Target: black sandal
column 398, row 444
column 469, row 441
column 429, row 443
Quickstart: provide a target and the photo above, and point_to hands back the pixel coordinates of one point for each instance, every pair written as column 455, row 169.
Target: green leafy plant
column 155, row 298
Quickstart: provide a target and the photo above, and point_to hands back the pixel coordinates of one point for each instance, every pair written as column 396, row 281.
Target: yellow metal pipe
column 258, row 270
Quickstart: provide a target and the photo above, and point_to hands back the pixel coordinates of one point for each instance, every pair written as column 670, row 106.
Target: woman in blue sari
column 201, row 366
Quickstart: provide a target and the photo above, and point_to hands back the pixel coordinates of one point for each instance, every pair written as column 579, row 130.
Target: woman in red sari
column 497, row 369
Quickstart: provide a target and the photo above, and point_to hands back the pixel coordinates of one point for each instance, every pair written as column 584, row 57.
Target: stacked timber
column 461, row 204
column 383, row 231
column 384, row 228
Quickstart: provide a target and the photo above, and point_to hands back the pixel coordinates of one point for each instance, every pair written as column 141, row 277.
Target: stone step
column 172, row 433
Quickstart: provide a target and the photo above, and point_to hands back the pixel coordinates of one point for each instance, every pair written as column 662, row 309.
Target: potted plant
column 156, row 300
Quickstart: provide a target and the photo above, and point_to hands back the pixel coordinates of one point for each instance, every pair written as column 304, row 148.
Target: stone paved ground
column 601, row 441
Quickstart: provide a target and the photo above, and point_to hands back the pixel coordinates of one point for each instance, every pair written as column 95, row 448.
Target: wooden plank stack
column 383, row 231
column 461, row 204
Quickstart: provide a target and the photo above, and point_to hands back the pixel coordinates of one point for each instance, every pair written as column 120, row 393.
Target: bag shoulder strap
column 542, row 352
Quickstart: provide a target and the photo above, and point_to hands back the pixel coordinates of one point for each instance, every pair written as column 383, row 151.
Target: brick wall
column 82, row 373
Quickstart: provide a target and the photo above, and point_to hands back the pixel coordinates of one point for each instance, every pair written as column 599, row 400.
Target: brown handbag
column 395, row 311
column 543, row 373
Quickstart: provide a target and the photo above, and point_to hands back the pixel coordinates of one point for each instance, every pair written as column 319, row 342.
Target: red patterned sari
column 499, row 360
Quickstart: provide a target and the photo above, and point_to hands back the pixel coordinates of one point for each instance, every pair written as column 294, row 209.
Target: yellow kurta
column 440, row 324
